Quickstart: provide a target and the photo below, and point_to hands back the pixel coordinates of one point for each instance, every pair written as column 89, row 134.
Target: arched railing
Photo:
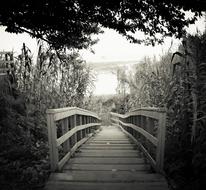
column 146, row 126
column 68, row 128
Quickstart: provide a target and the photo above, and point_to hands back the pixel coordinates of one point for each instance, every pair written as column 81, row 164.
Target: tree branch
column 34, row 35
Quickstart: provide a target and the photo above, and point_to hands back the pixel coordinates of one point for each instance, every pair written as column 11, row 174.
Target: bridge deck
column 109, row 160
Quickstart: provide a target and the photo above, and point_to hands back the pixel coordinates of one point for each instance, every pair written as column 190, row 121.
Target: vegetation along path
column 109, row 160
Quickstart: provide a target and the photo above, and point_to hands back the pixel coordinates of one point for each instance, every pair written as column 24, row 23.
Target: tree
column 71, row 23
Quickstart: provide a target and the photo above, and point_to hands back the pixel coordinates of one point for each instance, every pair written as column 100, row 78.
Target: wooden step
column 104, row 154
column 108, row 167
column 125, row 151
column 112, row 148
column 106, row 176
column 57, row 185
column 97, row 160
column 107, row 161
column 110, row 142
column 110, row 145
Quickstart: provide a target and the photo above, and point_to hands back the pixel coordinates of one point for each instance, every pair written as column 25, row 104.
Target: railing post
column 85, row 122
column 75, row 124
column 148, row 126
column 80, row 123
column 52, row 137
column 161, row 141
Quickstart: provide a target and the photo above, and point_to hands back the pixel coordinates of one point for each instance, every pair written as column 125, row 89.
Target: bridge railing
column 146, row 126
column 68, row 128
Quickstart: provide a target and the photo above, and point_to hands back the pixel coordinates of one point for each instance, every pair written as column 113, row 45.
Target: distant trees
column 148, row 83
column 71, row 23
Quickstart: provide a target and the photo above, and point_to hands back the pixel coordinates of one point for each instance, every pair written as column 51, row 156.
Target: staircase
column 108, row 160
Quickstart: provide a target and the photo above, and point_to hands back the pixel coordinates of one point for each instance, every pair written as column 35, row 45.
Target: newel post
column 52, row 137
column 161, row 141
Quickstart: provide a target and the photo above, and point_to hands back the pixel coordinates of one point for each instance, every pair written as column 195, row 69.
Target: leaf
column 177, row 53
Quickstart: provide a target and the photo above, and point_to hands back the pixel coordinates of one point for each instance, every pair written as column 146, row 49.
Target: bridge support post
column 161, row 142
column 52, row 136
column 75, row 124
column 65, row 128
column 80, row 132
column 149, row 127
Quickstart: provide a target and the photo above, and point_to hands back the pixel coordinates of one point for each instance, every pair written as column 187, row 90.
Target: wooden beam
column 161, row 142
column 62, row 113
column 52, row 136
column 65, row 129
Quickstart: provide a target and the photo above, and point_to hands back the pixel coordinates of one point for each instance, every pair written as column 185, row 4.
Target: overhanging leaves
column 71, row 23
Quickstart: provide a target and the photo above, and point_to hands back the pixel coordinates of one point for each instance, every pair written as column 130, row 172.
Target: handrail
column 76, row 125
column 148, row 112
column 68, row 111
column 140, row 123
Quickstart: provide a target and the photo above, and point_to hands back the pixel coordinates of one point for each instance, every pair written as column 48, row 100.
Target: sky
column 111, row 47
column 114, row 47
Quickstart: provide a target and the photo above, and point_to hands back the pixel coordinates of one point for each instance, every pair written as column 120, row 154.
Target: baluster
column 83, row 123
column 87, row 122
column 70, row 126
column 135, row 123
column 149, row 127
column 74, row 125
column 132, row 121
column 64, row 125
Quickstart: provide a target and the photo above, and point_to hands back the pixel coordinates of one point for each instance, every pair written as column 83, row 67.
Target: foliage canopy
column 71, row 23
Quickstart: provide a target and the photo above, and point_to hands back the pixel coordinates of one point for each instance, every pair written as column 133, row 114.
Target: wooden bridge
column 84, row 155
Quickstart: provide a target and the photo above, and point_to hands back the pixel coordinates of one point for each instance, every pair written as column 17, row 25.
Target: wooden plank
column 52, row 136
column 62, row 113
column 106, row 176
column 148, row 112
column 62, row 185
column 66, row 145
column 106, row 161
column 110, row 145
column 110, row 167
column 110, row 142
column 124, row 139
column 66, row 136
column 83, row 150
column 112, row 148
column 80, row 123
column 161, row 144
column 81, row 127
column 104, row 154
